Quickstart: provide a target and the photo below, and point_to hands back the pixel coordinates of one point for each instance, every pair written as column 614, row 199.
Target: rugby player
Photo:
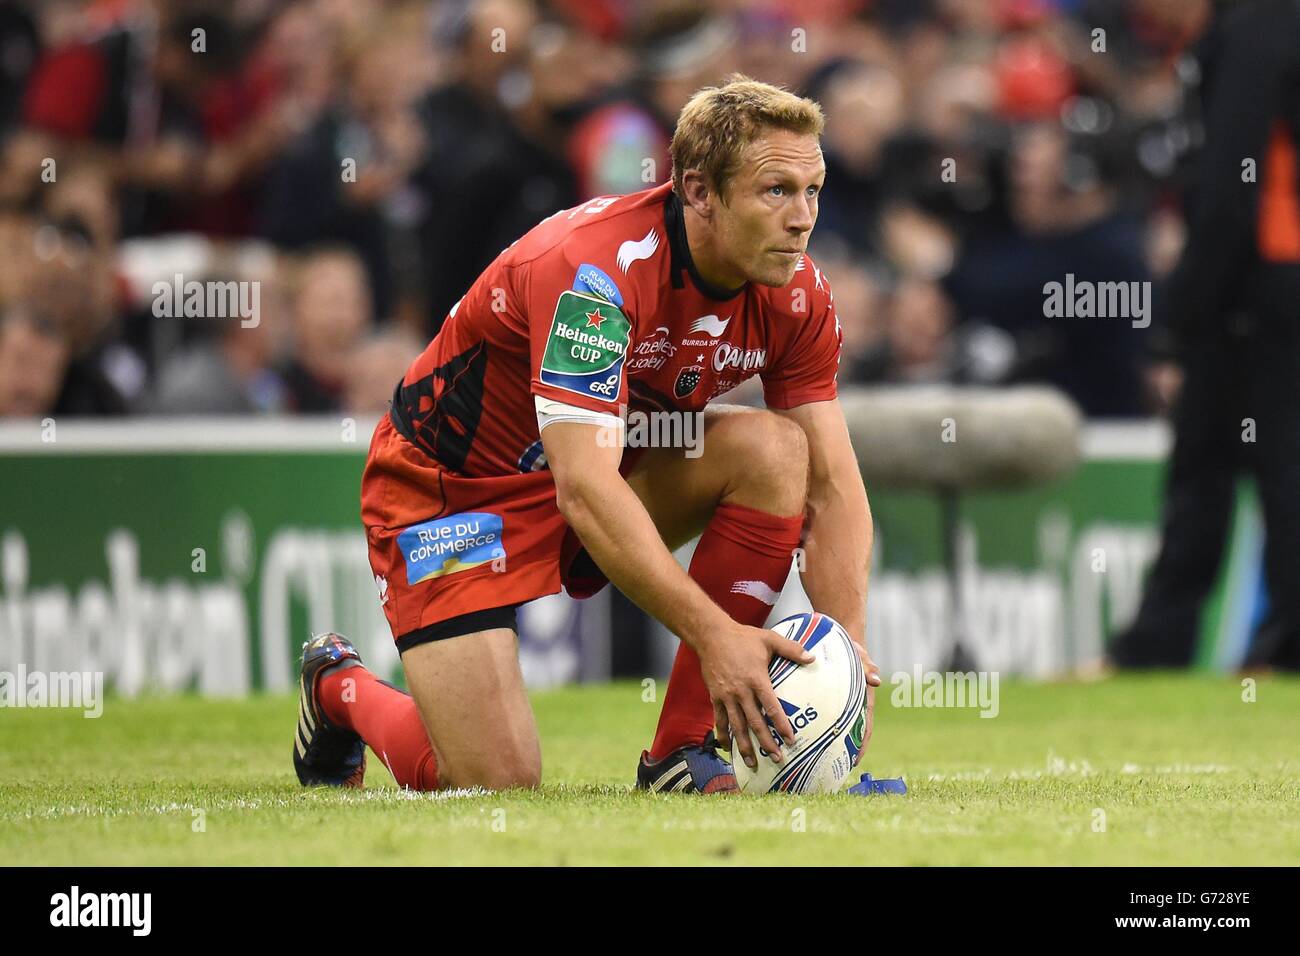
column 492, row 481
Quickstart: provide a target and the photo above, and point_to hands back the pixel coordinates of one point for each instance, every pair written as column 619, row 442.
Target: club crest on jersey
column 596, row 281
column 688, row 379
column 635, row 250
column 586, row 347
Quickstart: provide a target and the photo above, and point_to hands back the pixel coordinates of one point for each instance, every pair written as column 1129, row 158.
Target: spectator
column 914, row 344
column 34, row 357
column 976, row 149
column 1065, row 220
column 331, row 313
column 622, row 145
column 228, row 371
column 48, row 275
column 345, row 177
column 378, row 365
column 864, row 108
column 858, row 306
column 484, row 182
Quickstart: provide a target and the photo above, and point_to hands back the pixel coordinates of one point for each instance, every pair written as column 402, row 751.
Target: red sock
column 741, row 562
column 387, row 720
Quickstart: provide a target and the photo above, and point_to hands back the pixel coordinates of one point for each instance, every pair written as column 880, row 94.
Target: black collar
column 675, row 227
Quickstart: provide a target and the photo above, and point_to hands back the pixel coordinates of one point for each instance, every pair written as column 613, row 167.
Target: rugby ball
column 825, row 703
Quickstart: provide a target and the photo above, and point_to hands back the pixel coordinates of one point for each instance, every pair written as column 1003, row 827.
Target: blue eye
column 776, row 190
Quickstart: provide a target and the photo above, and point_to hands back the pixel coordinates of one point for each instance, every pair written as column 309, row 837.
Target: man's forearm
column 619, row 535
column 837, row 554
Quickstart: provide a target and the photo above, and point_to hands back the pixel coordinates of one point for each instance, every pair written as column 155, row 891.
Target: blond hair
column 719, row 122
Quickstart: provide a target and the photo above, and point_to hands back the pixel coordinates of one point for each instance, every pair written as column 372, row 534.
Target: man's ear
column 698, row 194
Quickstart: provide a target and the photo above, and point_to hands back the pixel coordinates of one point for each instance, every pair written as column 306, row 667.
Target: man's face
column 333, row 310
column 33, row 360
column 771, row 206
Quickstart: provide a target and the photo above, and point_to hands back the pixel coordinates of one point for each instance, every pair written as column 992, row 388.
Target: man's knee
column 513, row 776
column 507, row 767
column 769, row 454
column 471, row 696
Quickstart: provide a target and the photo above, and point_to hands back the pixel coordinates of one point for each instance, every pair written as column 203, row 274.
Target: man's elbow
column 582, row 468
column 573, row 498
column 837, row 487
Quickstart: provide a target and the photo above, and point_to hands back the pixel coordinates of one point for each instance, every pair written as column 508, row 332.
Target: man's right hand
column 734, row 662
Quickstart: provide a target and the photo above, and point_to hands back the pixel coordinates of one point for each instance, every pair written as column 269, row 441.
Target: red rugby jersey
column 600, row 306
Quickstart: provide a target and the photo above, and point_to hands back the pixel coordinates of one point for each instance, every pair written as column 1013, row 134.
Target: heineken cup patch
column 586, row 346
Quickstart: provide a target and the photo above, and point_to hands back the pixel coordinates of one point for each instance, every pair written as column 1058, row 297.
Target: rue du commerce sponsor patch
column 447, row 545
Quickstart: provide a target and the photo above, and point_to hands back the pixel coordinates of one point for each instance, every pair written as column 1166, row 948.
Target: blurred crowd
column 362, row 160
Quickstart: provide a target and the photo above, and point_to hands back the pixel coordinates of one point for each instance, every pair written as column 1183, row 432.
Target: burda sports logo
column 74, row 908
column 710, row 325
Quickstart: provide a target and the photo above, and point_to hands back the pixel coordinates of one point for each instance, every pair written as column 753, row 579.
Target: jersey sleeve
column 579, row 333
column 810, row 362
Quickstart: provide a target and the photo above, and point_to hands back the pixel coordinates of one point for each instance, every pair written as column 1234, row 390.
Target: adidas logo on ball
column 801, row 720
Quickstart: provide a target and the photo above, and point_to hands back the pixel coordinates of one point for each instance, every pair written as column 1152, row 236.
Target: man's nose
column 801, row 217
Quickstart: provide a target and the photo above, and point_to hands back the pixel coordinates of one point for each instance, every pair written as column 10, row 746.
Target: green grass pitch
column 1133, row 770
